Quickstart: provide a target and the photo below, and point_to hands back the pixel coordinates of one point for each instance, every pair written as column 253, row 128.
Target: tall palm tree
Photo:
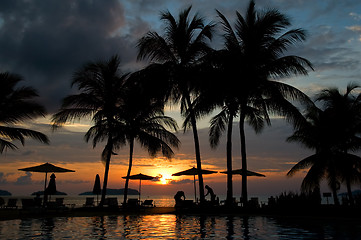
column 17, row 106
column 142, row 120
column 253, row 59
column 103, row 88
column 174, row 56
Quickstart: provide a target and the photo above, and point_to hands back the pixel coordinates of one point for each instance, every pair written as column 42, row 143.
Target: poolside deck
column 321, row 212
column 6, row 214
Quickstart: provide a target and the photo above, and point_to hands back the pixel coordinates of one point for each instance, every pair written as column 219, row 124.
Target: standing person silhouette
column 211, row 193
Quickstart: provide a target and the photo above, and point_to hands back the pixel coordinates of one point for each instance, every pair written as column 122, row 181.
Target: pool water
column 170, row 226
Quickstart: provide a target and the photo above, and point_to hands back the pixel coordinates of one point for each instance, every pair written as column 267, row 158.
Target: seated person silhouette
column 211, row 193
column 178, row 198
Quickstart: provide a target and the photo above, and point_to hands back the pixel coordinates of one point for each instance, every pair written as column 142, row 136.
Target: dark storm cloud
column 183, row 181
column 24, row 180
column 45, row 41
column 3, row 178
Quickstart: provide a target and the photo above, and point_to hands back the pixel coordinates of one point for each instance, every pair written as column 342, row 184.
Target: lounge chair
column 253, row 202
column 59, row 202
column 111, row 202
column 27, row 203
column 89, row 202
column 12, row 203
column 148, row 203
column 133, row 203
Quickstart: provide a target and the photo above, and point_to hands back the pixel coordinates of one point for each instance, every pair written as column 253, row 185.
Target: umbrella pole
column 140, row 185
column 195, row 190
column 46, row 176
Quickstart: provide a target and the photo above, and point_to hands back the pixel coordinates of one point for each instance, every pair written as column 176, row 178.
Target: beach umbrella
column 193, row 172
column 249, row 173
column 45, row 168
column 97, row 189
column 140, row 177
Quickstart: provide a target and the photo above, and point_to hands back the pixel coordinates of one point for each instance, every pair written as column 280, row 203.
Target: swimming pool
column 171, row 226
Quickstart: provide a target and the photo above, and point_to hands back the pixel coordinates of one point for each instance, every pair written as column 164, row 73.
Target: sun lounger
column 12, row 203
column 27, row 203
column 148, row 203
column 111, row 202
column 89, row 202
column 133, row 202
column 2, row 202
column 57, row 204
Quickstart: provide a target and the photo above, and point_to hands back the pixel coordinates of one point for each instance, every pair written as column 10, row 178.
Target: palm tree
column 344, row 110
column 142, row 119
column 253, row 59
column 102, row 89
column 17, row 106
column 174, row 56
column 328, row 162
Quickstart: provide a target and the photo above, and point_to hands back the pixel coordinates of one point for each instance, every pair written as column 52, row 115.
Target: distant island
column 115, row 192
column 42, row 193
column 4, row 193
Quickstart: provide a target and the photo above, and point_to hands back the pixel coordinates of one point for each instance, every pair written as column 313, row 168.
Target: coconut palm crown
column 16, row 107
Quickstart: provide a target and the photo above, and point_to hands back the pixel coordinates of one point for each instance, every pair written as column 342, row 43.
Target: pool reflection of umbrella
column 140, row 177
column 249, row 173
column 97, row 189
column 193, row 172
column 46, row 167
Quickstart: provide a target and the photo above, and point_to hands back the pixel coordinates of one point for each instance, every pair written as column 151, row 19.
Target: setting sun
column 166, row 177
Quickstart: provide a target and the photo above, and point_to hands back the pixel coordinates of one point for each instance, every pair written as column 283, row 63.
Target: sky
column 46, row 41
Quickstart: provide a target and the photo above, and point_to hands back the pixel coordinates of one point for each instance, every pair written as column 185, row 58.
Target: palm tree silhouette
column 16, row 106
column 332, row 132
column 253, row 58
column 174, row 56
column 102, row 89
column 142, row 119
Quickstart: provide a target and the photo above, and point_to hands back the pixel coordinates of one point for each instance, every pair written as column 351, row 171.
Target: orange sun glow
column 166, row 177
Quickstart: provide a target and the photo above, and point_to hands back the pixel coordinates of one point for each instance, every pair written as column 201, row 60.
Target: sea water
column 171, row 226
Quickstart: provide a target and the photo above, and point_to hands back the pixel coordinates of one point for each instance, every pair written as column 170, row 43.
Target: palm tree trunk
column 131, row 149
column 349, row 191
column 106, row 173
column 244, row 158
column 229, row 200
column 197, row 149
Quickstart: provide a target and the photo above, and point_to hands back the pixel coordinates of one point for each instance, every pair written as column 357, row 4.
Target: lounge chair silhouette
column 12, row 203
column 89, row 202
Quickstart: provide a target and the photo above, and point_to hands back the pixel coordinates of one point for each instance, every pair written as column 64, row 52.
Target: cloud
column 46, row 41
column 355, row 16
column 183, row 181
column 2, row 178
column 73, row 181
column 157, row 178
column 24, row 180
